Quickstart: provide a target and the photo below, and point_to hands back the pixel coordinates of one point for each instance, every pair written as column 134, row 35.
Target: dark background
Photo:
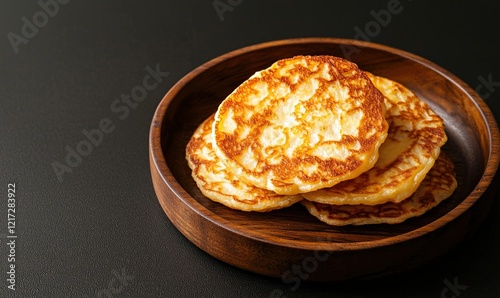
column 103, row 218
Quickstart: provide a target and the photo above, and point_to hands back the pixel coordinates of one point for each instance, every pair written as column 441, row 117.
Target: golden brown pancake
column 302, row 124
column 220, row 185
column 415, row 137
column 439, row 184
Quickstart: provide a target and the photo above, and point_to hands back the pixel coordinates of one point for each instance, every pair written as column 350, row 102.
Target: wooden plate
column 290, row 243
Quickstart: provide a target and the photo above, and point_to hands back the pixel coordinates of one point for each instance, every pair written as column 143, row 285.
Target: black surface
column 103, row 219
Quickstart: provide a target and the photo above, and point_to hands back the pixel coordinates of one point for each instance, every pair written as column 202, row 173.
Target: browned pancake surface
column 439, row 184
column 304, row 123
column 416, row 134
column 220, row 185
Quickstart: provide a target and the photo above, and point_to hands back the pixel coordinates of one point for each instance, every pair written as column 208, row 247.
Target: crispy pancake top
column 304, row 123
column 220, row 185
column 438, row 185
column 415, row 137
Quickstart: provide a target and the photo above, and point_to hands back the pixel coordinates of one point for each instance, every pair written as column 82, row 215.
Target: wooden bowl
column 290, row 243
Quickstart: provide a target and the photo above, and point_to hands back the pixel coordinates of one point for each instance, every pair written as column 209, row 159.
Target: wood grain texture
column 276, row 242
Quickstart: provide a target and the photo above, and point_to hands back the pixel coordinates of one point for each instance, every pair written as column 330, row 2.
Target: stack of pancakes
column 352, row 147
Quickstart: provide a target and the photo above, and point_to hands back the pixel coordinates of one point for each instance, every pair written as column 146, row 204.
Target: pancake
column 220, row 185
column 438, row 185
column 414, row 141
column 304, row 123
